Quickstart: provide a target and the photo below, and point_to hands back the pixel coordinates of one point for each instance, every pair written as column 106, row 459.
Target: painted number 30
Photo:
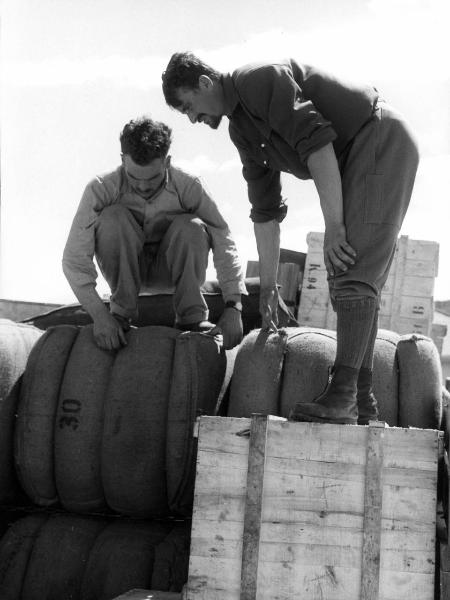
column 71, row 409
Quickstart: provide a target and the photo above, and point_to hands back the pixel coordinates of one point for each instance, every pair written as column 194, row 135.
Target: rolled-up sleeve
column 263, row 185
column 226, row 260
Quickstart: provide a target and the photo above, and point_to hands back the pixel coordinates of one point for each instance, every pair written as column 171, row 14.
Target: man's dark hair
column 183, row 71
column 144, row 140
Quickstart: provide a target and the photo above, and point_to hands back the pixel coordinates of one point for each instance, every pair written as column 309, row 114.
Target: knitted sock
column 367, row 361
column 355, row 319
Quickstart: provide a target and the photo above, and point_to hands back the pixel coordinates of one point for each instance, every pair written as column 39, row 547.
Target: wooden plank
column 314, row 239
column 418, row 286
column 385, row 303
column 439, row 329
column 252, row 268
column 331, row 318
column 411, row 307
column 313, row 318
column 293, row 256
column 313, row 301
column 400, row 258
column 373, row 503
column 253, row 507
column 404, row 325
column 444, row 574
column 423, row 250
column 416, row 307
column 315, row 276
column 421, row 267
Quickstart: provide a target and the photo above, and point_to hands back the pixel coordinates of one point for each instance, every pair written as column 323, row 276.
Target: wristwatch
column 234, row 304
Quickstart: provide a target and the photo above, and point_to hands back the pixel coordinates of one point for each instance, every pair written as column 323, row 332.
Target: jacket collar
column 232, row 99
column 231, row 96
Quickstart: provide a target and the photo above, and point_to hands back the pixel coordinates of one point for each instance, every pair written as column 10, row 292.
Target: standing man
column 148, row 222
column 295, row 118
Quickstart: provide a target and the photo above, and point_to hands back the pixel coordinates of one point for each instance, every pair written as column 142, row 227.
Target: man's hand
column 268, row 307
column 108, row 334
column 230, row 326
column 337, row 252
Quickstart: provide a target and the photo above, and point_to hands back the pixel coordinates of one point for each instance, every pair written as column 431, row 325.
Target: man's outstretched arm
column 79, row 269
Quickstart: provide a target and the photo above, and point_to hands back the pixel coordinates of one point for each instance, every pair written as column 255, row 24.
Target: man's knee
column 352, row 289
column 113, row 216
column 114, row 221
column 190, row 230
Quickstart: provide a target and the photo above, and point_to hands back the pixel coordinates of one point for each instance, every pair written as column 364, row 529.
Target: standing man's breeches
column 377, row 181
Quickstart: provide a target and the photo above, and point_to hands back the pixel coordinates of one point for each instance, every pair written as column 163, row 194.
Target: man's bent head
column 144, row 139
column 194, row 88
column 145, row 144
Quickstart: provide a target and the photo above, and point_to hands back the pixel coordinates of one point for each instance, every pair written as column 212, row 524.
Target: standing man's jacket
column 280, row 113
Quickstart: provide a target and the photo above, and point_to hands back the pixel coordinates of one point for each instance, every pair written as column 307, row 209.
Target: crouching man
column 149, row 223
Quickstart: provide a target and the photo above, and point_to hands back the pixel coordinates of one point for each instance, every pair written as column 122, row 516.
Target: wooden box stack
column 406, row 299
column 317, row 511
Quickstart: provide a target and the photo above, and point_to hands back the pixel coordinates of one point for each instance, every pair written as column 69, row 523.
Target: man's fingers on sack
column 215, row 331
column 271, row 326
column 268, row 323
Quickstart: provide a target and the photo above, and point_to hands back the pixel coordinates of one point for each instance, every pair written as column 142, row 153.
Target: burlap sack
column 15, row 550
column 58, row 558
column 79, row 425
column 70, row 557
column 255, row 385
column 201, row 370
column 420, row 385
column 309, row 357
column 133, row 455
column 34, row 434
column 171, row 566
column 272, row 376
column 122, row 558
column 385, row 376
column 16, row 342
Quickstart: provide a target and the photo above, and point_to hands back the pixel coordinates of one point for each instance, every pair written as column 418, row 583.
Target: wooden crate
column 285, row 510
column 406, row 299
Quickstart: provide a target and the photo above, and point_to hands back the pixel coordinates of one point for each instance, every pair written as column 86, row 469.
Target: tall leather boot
column 336, row 404
column 367, row 403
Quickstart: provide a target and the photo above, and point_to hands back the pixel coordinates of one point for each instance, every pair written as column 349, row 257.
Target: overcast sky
column 75, row 71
